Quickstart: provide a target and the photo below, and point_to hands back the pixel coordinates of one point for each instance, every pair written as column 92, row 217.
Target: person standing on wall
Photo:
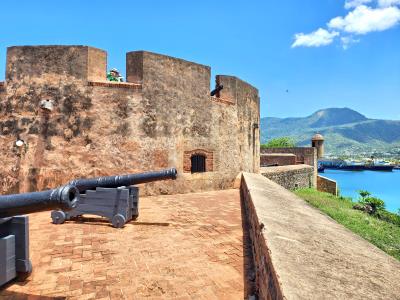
column 114, row 75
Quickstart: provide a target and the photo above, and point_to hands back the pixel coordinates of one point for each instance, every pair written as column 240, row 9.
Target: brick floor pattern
column 186, row 246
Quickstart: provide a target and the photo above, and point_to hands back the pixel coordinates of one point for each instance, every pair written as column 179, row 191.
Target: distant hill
column 344, row 129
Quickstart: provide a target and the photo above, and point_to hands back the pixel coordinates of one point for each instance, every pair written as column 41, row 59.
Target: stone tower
column 317, row 141
column 72, row 123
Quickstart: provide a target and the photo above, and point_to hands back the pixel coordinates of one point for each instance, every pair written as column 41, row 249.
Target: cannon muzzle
column 65, row 198
column 123, row 180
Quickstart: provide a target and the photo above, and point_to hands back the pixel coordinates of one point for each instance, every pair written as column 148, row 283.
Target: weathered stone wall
column 304, row 155
column 267, row 283
column 327, row 185
column 2, row 91
column 102, row 128
column 290, row 177
column 180, row 116
column 278, row 159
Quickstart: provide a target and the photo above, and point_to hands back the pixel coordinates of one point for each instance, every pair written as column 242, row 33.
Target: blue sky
column 275, row 45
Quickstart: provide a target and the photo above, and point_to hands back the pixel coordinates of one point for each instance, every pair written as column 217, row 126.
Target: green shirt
column 111, row 77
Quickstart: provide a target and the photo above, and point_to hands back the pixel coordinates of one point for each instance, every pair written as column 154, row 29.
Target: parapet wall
column 304, row 155
column 290, row 177
column 300, row 253
column 327, row 185
column 155, row 120
column 59, row 62
column 277, row 159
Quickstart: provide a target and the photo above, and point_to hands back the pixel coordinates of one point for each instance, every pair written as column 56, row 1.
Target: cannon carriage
column 14, row 228
column 113, row 197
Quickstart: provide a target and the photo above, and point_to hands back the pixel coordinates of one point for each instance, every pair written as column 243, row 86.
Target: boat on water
column 379, row 166
column 348, row 165
column 352, row 166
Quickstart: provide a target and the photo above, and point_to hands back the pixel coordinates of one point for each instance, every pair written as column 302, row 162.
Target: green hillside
column 346, row 131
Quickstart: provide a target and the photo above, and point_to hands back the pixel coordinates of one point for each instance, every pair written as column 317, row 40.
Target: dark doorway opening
column 198, row 163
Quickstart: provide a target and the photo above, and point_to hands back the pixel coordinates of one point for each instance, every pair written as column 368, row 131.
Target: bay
column 384, row 185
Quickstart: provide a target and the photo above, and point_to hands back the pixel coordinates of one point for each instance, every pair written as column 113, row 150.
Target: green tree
column 375, row 203
column 364, row 194
column 281, row 142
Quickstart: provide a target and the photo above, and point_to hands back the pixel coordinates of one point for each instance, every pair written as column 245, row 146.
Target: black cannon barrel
column 123, row 180
column 65, row 198
column 216, row 90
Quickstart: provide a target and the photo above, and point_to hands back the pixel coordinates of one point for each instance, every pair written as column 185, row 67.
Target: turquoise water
column 384, row 185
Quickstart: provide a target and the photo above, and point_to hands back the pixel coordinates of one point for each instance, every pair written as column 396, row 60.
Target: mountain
column 346, row 131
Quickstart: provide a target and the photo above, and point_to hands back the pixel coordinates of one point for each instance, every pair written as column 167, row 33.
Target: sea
column 384, row 185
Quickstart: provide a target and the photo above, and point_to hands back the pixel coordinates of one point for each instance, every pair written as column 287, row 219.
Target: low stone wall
column 290, row 177
column 304, row 155
column 279, row 159
column 327, row 185
column 300, row 253
column 266, row 281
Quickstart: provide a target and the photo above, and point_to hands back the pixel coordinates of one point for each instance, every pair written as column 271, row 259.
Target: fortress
column 74, row 124
column 242, row 235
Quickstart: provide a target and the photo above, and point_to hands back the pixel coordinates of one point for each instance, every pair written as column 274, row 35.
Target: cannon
column 113, row 197
column 215, row 92
column 14, row 228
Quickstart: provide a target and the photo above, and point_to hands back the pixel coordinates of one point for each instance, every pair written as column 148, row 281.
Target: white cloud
column 387, row 3
column 347, row 41
column 365, row 16
column 320, row 37
column 354, row 3
column 364, row 19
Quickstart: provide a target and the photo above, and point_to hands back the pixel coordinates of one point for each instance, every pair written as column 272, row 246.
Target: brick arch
column 209, row 155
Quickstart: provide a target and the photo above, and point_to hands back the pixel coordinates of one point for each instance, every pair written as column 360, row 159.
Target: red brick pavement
column 181, row 247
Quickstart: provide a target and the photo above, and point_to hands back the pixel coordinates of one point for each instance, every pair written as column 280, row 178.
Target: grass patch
column 382, row 234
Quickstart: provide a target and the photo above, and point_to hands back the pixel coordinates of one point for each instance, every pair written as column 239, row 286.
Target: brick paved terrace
column 188, row 246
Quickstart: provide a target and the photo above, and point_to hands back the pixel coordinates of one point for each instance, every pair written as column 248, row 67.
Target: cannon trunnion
column 14, row 229
column 112, row 197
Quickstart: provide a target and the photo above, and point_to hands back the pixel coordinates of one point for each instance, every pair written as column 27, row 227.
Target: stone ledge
column 283, row 169
column 290, row 177
column 301, row 253
column 123, row 85
column 221, row 100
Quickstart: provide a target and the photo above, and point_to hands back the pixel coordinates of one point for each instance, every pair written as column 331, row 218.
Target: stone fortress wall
column 327, row 185
column 291, row 177
column 303, row 156
column 161, row 116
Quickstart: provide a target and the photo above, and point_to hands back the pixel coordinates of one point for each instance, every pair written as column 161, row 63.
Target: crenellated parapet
column 78, row 62
column 75, row 123
column 88, row 64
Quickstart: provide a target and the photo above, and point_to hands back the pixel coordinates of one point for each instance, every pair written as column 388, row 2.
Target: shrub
column 364, row 194
column 388, row 217
column 282, row 142
column 371, row 205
